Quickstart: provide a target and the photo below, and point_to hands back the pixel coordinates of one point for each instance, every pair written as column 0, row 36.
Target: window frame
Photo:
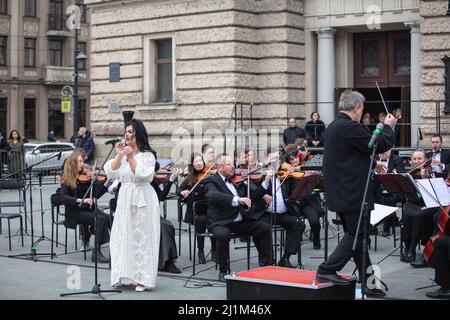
column 28, row 49
column 4, row 50
column 28, row 5
column 50, row 51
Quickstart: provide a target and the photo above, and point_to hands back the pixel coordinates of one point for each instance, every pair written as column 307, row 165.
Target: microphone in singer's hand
column 113, row 141
column 375, row 135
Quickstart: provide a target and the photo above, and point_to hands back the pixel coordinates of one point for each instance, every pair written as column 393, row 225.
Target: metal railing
column 57, row 22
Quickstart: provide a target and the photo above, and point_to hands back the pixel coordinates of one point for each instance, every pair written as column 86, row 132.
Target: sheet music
column 435, row 192
column 380, row 212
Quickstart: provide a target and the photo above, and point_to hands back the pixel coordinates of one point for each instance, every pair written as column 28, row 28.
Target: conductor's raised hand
column 390, row 120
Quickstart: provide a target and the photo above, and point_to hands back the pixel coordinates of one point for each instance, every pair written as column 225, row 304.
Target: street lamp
column 78, row 56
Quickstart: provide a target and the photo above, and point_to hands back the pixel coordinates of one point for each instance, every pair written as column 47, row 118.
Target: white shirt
column 281, row 206
column 235, row 201
column 437, row 156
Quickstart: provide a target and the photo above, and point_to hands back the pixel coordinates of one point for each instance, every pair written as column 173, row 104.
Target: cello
column 443, row 230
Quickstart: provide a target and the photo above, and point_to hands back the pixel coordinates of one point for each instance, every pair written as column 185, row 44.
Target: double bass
column 443, row 230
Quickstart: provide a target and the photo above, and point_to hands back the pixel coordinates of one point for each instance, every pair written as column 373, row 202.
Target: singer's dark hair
column 436, row 135
column 141, row 136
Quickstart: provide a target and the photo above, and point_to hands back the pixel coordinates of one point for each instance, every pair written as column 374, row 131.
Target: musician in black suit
column 440, row 157
column 442, row 272
column 227, row 214
column 346, row 163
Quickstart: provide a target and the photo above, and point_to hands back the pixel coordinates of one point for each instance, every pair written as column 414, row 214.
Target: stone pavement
column 21, row 278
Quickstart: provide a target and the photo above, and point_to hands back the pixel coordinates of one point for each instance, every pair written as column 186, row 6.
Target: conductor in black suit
column 346, row 163
column 228, row 212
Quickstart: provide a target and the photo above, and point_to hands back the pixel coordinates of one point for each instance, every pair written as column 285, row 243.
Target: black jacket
column 198, row 194
column 292, row 134
column 315, row 132
column 346, row 162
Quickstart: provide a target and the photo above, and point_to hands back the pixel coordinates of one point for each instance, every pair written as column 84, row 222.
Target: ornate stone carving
column 30, row 29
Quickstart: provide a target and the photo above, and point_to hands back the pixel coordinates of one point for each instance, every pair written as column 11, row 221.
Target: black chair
column 9, row 216
column 210, row 235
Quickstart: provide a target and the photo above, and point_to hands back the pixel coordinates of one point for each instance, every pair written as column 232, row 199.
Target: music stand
column 303, row 189
column 398, row 184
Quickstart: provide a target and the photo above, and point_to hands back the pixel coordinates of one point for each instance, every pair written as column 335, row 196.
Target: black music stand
column 303, row 189
column 402, row 185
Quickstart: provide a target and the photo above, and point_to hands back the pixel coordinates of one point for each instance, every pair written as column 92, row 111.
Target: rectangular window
column 55, row 53
column 3, row 6
column 82, row 48
column 30, row 52
column 3, row 50
column 3, row 116
column 55, row 117
column 30, row 8
column 30, row 117
column 82, row 113
column 163, row 70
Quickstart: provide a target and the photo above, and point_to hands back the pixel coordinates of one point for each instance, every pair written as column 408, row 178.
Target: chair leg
column 190, row 241
column 84, row 243
column 21, row 228
column 9, row 234
column 248, row 253
column 53, row 234
column 1, row 228
column 193, row 255
column 76, row 239
column 65, row 247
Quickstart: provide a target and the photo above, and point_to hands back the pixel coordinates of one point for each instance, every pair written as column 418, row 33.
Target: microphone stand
column 28, row 169
column 96, row 288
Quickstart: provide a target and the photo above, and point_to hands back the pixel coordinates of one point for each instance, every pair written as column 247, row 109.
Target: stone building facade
column 37, row 51
column 286, row 57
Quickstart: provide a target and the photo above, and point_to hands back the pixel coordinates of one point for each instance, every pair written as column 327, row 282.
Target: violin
column 242, row 175
column 87, row 175
column 162, row 175
column 289, row 171
column 206, row 172
column 443, row 230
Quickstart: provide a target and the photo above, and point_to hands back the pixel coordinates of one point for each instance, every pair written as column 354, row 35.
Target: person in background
column 85, row 141
column 367, row 121
column 293, row 132
column 314, row 130
column 51, row 137
column 16, row 154
column 381, row 117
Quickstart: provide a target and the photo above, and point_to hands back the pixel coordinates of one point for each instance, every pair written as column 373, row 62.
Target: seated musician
column 72, row 193
column 226, row 214
column 418, row 222
column 387, row 162
column 442, row 271
column 195, row 178
column 283, row 214
column 167, row 244
column 310, row 207
column 440, row 157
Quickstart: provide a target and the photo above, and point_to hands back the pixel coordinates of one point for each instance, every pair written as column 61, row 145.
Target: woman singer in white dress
column 135, row 233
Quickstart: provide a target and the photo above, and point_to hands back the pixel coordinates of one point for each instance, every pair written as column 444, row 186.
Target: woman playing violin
column 418, row 223
column 193, row 189
column 73, row 191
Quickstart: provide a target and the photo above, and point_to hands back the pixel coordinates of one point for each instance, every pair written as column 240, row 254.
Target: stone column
column 415, row 79
column 326, row 78
column 15, row 106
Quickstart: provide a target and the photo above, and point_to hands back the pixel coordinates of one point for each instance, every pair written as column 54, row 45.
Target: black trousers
column 103, row 225
column 294, row 228
column 343, row 252
column 167, row 244
column 200, row 227
column 418, row 225
column 442, row 260
column 260, row 232
column 310, row 213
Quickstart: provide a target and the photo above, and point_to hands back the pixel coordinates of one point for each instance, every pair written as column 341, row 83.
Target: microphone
column 113, row 141
column 375, row 135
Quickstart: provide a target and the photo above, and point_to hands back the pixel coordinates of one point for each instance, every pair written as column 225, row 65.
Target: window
column 82, row 113
column 82, row 48
column 3, row 116
column 3, row 6
column 55, row 117
column 30, row 118
column 30, row 8
column 55, row 53
column 163, row 57
column 30, row 52
column 3, row 50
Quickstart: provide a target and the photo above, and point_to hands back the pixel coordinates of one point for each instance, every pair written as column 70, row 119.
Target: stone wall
column 226, row 51
column 435, row 44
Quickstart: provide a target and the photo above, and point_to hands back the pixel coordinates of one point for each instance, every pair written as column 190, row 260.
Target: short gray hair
column 349, row 100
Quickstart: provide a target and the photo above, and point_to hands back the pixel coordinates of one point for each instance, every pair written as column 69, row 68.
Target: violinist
column 442, row 272
column 72, row 192
column 310, row 207
column 283, row 214
column 418, row 223
column 193, row 189
column 227, row 213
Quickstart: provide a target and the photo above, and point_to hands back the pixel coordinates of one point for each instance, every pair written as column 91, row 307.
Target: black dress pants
column 258, row 230
column 442, row 261
column 343, row 252
column 103, row 225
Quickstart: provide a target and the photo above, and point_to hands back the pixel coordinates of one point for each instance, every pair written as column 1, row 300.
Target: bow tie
column 386, row 160
column 228, row 179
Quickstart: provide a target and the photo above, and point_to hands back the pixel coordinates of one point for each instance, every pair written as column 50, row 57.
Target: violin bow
column 199, row 180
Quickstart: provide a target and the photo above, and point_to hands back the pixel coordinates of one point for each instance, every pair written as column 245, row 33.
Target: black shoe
column 439, row 294
column 334, row 278
column 100, row 257
column 285, row 263
column 316, row 246
column 171, row 267
column 201, row 256
column 222, row 276
column 265, row 264
column 421, row 263
column 374, row 293
column 213, row 256
column 243, row 239
column 410, row 257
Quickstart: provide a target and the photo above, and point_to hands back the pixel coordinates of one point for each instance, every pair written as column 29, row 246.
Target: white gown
column 135, row 234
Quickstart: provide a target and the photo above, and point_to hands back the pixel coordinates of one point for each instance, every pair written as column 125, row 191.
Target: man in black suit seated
column 440, row 157
column 228, row 212
column 442, row 272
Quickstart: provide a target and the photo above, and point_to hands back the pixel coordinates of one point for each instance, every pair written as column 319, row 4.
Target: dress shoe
column 139, row 288
column 374, row 293
column 171, row 267
column 100, row 257
column 222, row 276
column 419, row 263
column 201, row 256
column 410, row 257
column 439, row 294
column 386, row 233
column 213, row 256
column 316, row 246
column 265, row 264
column 285, row 263
column 334, row 278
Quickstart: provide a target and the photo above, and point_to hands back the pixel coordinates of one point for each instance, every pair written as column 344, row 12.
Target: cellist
column 442, row 271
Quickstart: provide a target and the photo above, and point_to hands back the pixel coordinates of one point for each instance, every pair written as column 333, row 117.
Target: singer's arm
column 117, row 161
